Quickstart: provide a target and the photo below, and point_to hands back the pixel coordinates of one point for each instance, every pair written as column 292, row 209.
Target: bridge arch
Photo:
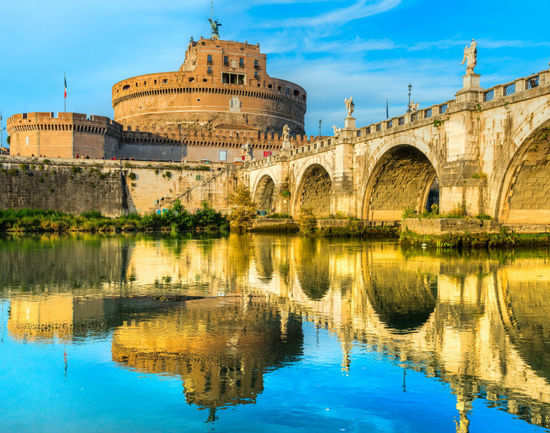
column 403, row 177
column 524, row 193
column 264, row 193
column 314, row 191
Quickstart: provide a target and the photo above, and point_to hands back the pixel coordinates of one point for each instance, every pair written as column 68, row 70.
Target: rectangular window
column 413, row 117
column 225, row 61
column 389, row 124
column 510, row 89
column 489, row 96
column 379, row 127
column 443, row 108
column 240, row 80
column 532, row 82
column 209, row 59
column 256, row 75
column 225, row 78
column 256, row 64
column 401, row 120
column 223, row 155
column 210, row 69
column 241, row 62
column 428, row 113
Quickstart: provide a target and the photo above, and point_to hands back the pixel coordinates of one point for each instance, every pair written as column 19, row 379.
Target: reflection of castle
column 480, row 326
column 220, row 347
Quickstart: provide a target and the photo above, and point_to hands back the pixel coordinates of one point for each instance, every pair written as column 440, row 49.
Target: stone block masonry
column 113, row 188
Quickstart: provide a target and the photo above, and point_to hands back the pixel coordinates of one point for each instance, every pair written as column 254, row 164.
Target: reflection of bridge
column 480, row 332
column 487, row 151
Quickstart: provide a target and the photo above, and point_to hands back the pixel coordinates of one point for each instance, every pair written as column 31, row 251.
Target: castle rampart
column 67, row 135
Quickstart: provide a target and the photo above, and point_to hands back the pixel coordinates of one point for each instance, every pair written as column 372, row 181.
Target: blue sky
column 370, row 49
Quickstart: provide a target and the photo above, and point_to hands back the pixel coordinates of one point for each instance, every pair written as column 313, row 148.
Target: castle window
column 145, row 83
column 256, row 64
column 241, row 80
column 256, row 75
column 428, row 113
column 126, row 87
column 287, row 91
column 165, row 81
column 270, row 86
column 209, row 70
column 241, row 62
column 223, row 155
column 279, row 88
column 296, row 93
column 191, row 79
column 225, row 61
column 443, row 108
column 225, row 78
column 209, row 59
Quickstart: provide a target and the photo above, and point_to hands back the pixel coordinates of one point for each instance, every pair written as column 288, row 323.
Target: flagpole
column 65, row 93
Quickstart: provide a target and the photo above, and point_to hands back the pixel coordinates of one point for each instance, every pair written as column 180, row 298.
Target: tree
column 243, row 209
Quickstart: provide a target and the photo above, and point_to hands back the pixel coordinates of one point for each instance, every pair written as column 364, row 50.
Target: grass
column 176, row 219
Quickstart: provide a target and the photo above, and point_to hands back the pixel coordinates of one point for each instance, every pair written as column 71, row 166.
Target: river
column 271, row 334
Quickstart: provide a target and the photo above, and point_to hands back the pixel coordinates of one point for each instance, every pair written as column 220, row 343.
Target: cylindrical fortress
column 221, row 85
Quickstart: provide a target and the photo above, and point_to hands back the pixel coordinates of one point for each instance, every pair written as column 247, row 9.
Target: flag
column 65, row 94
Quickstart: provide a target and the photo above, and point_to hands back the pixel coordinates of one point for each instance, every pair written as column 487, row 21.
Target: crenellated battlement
column 76, row 122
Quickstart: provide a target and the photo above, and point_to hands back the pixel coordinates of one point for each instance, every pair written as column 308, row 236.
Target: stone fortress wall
column 112, row 187
column 67, row 135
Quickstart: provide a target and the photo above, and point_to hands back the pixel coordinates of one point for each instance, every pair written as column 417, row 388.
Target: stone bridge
column 486, row 152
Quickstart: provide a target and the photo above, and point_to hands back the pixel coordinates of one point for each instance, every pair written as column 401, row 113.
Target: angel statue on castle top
column 470, row 57
column 215, row 28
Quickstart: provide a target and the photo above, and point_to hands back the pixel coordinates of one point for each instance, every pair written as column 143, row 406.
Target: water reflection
column 481, row 324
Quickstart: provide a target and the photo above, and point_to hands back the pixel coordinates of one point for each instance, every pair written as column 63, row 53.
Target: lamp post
column 410, row 92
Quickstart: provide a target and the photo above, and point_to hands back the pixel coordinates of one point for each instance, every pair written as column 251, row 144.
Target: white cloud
column 358, row 10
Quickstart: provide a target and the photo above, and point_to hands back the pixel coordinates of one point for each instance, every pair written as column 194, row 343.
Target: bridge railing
column 494, row 94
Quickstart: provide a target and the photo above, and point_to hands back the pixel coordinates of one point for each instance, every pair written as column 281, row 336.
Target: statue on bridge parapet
column 471, row 84
column 286, row 146
column 350, row 108
column 470, row 57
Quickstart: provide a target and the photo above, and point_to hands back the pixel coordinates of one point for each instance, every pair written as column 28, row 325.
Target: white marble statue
column 336, row 130
column 470, row 57
column 350, row 106
column 286, row 138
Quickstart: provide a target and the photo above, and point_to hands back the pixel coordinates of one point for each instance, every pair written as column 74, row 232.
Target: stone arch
column 524, row 193
column 264, row 194
column 314, row 191
column 404, row 177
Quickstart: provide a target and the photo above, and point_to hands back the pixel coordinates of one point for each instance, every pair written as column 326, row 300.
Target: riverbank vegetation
column 176, row 219
column 503, row 239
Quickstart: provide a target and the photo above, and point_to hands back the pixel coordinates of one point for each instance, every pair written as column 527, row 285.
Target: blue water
column 317, row 378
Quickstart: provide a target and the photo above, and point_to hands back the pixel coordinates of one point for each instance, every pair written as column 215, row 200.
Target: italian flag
column 65, row 94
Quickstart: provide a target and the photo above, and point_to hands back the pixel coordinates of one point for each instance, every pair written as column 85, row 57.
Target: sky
column 368, row 49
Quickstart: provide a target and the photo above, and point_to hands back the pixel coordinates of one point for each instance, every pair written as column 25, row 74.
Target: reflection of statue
column 350, row 106
column 215, row 28
column 470, row 57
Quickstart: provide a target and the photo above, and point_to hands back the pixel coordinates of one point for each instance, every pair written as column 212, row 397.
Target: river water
column 270, row 334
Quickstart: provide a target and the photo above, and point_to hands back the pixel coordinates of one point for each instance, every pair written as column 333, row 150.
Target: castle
column 221, row 106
